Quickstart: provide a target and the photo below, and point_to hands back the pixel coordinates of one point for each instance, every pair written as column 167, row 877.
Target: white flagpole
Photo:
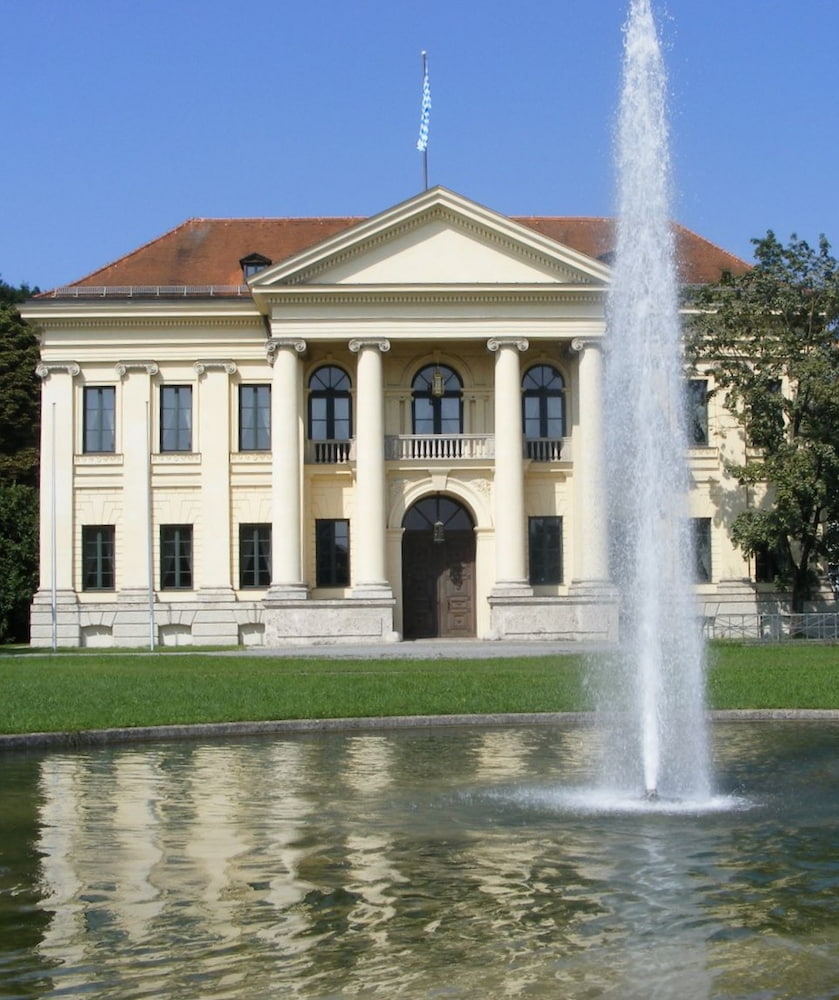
column 53, row 542
column 425, row 117
column 149, row 529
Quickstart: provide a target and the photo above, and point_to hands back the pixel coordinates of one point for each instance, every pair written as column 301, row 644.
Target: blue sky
column 125, row 117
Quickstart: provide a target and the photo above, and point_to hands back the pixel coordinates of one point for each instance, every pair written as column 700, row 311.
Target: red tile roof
column 206, row 252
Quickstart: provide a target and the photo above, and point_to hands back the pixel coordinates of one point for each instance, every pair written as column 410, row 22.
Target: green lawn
column 103, row 690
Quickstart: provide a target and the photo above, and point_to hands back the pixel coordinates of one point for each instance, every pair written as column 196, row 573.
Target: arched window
column 437, row 401
column 437, row 514
column 330, row 415
column 330, row 406
column 543, row 402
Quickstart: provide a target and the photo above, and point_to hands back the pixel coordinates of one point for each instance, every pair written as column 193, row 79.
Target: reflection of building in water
column 501, row 753
column 140, row 848
column 368, row 763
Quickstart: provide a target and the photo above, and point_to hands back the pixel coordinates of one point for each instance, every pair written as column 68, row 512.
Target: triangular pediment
column 437, row 238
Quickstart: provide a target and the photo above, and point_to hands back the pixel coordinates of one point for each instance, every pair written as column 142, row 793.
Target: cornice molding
column 343, row 296
column 46, row 368
column 156, row 322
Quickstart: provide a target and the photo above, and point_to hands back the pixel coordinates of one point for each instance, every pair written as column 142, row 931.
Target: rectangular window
column 176, row 418
column 332, row 553
column 545, row 547
column 99, row 409
column 770, row 564
column 254, row 418
column 175, row 556
column 701, row 527
column 697, row 412
column 97, row 557
column 254, row 555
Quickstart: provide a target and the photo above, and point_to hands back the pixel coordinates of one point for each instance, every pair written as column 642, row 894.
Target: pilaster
column 55, row 608
column 214, row 435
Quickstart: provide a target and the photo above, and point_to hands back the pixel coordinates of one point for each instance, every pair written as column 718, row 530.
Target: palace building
column 286, row 431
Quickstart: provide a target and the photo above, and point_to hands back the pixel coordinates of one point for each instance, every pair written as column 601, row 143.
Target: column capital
column 580, row 344
column 45, row 368
column 275, row 344
column 519, row 343
column 124, row 367
column 379, row 343
column 200, row 367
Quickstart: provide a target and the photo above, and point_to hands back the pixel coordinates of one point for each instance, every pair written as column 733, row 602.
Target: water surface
column 449, row 863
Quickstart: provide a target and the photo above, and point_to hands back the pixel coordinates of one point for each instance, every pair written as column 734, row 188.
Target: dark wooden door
column 438, row 585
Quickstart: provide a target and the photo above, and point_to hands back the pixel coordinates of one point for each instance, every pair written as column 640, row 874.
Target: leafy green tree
column 19, row 439
column 19, row 391
column 18, row 558
column 769, row 339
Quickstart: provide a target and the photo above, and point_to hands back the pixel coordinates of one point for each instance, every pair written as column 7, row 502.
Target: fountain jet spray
column 659, row 743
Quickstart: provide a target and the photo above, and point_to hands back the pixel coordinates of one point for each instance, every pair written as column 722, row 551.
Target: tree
column 768, row 338
column 19, row 391
column 18, row 558
column 19, row 438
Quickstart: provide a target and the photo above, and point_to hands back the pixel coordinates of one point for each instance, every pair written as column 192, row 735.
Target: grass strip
column 102, row 690
column 56, row 693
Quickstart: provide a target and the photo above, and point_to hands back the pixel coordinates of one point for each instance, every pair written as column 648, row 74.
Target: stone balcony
column 437, row 447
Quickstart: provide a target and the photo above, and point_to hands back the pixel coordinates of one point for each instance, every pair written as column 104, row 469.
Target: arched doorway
column 438, row 570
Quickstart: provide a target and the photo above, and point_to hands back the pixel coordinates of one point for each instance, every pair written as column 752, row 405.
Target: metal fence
column 772, row 626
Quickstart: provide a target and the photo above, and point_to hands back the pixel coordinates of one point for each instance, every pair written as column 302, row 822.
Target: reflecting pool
column 417, row 863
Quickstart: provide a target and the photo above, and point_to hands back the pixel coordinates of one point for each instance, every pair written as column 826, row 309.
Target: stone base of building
column 313, row 622
column 130, row 622
column 587, row 614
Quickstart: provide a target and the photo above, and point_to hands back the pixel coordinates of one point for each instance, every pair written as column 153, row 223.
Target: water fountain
column 433, row 862
column 653, row 697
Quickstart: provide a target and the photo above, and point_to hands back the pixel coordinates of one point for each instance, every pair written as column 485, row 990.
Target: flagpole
column 53, row 542
column 149, row 530
column 425, row 145
column 425, row 115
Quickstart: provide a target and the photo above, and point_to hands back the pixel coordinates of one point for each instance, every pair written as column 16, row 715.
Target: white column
column 591, row 565
column 214, row 437
column 370, row 520
column 508, row 486
column 286, row 478
column 57, row 450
